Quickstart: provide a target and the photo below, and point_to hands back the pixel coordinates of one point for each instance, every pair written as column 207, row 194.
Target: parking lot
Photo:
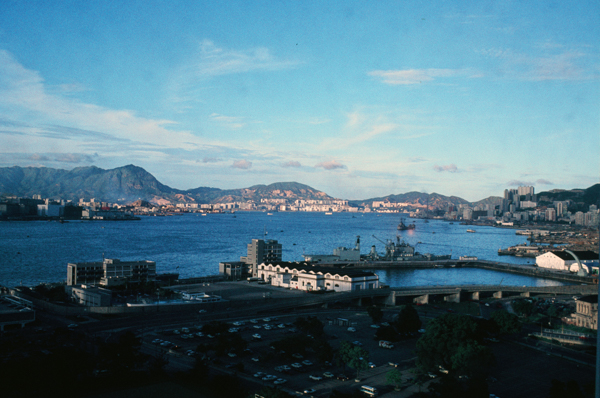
column 300, row 371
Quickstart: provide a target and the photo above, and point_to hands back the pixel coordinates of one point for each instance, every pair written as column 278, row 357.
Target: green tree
column 310, row 325
column 408, row 320
column 394, row 377
column 507, row 323
column 354, row 356
column 375, row 313
column 523, row 306
column 453, row 342
column 386, row 333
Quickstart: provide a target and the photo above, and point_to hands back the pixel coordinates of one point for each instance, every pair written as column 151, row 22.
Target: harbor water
column 193, row 245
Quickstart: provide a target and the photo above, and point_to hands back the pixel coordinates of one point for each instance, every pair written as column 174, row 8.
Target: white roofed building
column 302, row 276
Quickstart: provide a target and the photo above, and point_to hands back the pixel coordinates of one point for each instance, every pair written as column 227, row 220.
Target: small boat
column 404, row 227
column 328, row 213
column 471, row 230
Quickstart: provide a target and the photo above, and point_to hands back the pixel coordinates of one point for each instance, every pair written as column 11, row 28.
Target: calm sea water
column 193, row 245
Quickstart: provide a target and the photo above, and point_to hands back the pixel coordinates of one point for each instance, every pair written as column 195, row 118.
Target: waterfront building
column 91, row 296
column 235, row 270
column 302, row 276
column 110, row 272
column 260, row 251
column 339, row 254
column 563, row 261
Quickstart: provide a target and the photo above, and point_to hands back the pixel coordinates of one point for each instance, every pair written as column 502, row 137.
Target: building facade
column 302, row 276
column 586, row 315
column 260, row 251
column 90, row 296
column 562, row 261
column 110, row 272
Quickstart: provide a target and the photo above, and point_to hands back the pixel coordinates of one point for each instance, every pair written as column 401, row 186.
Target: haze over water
column 193, row 245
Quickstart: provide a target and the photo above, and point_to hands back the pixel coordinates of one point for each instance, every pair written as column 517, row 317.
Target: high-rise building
column 260, row 251
column 523, row 191
column 550, row 214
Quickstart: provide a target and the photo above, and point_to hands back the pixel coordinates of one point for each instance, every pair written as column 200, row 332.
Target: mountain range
column 129, row 183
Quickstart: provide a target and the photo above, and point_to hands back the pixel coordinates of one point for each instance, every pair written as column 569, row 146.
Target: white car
column 351, row 329
column 329, row 375
column 256, row 336
column 307, row 362
column 310, row 391
column 255, row 359
column 315, row 378
column 280, row 381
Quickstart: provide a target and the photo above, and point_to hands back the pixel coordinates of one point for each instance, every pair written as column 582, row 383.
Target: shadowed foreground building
column 110, row 272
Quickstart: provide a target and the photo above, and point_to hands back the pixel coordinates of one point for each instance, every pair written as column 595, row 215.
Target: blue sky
column 358, row 99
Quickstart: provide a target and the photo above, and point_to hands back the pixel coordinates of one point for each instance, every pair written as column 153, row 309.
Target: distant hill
column 122, row 184
column 130, row 183
column 434, row 200
column 585, row 197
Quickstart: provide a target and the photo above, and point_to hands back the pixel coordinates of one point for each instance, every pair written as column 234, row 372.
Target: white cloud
column 412, row 76
column 331, row 165
column 291, row 163
column 551, row 65
column 242, row 164
column 214, row 61
column 451, row 168
column 232, row 122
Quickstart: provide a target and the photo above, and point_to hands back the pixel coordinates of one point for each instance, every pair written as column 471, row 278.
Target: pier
column 529, row 270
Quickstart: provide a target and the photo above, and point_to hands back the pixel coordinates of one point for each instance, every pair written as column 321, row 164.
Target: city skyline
column 358, row 100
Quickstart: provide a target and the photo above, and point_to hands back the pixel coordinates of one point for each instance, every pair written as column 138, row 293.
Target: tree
column 354, row 356
column 394, row 377
column 507, row 323
column 453, row 342
column 310, row 325
column 270, row 392
column 408, row 320
column 375, row 313
column 522, row 306
column 386, row 333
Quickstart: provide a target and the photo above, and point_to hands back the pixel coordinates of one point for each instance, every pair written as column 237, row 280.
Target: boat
column 471, row 230
column 404, row 227
column 328, row 213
